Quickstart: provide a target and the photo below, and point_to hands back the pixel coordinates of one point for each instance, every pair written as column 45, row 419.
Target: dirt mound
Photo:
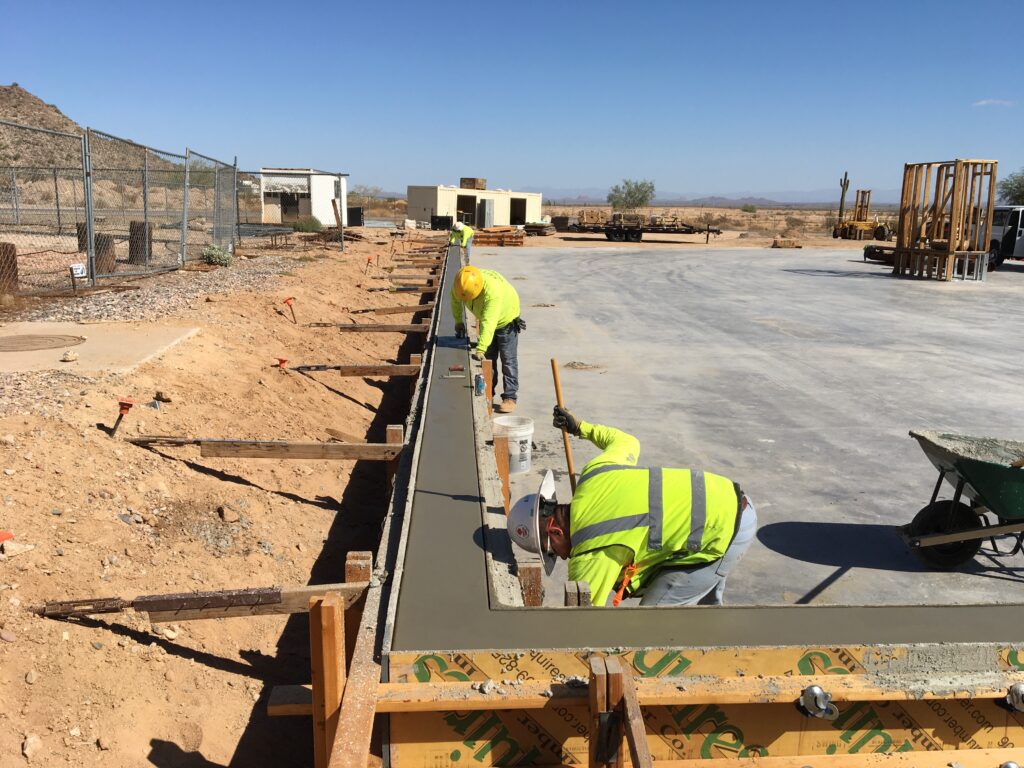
column 28, row 148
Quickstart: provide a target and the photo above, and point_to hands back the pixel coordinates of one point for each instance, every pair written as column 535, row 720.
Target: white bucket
column 519, row 431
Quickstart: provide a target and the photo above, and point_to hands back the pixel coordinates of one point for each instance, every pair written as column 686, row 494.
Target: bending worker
column 671, row 536
column 495, row 303
column 462, row 234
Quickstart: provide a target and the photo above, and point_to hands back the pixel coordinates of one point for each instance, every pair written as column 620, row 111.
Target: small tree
column 1011, row 189
column 748, row 208
column 365, row 195
column 630, row 195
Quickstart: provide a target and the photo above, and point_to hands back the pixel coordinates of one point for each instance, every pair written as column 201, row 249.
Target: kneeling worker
column 489, row 296
column 462, row 235
column 671, row 536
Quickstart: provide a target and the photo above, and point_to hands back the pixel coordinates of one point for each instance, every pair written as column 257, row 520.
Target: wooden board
column 361, row 370
column 386, row 328
column 293, row 600
column 255, row 449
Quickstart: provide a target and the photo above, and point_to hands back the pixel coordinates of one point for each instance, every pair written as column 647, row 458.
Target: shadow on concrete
column 863, row 545
column 845, row 545
column 837, row 272
column 167, row 754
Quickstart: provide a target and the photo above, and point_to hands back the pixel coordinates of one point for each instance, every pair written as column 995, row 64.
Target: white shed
column 474, row 206
column 288, row 194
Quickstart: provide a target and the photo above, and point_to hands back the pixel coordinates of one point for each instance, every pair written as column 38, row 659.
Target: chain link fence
column 43, row 209
column 77, row 209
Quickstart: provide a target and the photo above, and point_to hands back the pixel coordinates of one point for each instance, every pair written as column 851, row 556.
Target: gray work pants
column 702, row 584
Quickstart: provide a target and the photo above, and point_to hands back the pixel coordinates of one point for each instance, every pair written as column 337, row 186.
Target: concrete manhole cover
column 29, row 342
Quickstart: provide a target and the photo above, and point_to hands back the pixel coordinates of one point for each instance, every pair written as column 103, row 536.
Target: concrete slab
column 108, row 347
column 796, row 373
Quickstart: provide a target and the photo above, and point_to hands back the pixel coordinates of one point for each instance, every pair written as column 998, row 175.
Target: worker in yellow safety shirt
column 495, row 303
column 462, row 234
column 670, row 536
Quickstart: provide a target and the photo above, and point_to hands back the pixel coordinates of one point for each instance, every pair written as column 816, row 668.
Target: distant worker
column 462, row 234
column 495, row 303
column 670, row 536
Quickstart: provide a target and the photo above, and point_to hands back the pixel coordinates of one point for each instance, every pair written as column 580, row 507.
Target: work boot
column 507, row 406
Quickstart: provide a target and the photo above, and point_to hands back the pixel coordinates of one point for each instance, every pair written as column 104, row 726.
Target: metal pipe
column 90, row 226
column 184, row 214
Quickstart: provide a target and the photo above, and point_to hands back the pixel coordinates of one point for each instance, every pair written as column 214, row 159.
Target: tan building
column 289, row 194
column 476, row 207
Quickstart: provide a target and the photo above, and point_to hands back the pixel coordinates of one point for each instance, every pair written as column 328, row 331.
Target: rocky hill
column 28, row 149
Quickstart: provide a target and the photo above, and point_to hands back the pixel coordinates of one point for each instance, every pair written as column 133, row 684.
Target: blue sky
column 702, row 97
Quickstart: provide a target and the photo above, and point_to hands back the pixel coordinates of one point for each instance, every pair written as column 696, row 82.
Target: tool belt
column 519, row 324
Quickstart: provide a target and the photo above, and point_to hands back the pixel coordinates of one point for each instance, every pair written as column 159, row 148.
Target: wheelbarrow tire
column 942, row 517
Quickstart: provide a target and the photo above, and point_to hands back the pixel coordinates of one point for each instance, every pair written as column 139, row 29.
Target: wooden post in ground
column 327, row 659
column 82, row 233
column 358, row 567
column 396, row 435
column 106, row 258
column 616, row 684
column 140, row 242
column 598, row 706
column 501, row 459
column 8, row 268
column 487, row 371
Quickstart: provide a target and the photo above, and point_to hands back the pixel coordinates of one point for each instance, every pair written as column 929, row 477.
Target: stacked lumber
column 785, row 242
column 498, row 236
column 540, row 229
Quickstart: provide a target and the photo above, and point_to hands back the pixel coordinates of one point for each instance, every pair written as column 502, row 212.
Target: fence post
column 236, row 233
column 184, row 214
column 90, row 226
column 145, row 202
column 216, row 206
column 17, row 202
column 56, row 198
column 344, row 211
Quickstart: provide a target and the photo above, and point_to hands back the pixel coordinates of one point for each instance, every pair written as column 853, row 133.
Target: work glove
column 460, row 330
column 478, row 355
column 563, row 419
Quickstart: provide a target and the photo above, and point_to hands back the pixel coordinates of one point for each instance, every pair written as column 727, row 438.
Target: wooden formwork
column 945, row 219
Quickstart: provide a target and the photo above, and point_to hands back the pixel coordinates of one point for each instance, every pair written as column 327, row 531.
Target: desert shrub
column 307, row 224
column 213, row 254
column 748, row 208
column 794, row 223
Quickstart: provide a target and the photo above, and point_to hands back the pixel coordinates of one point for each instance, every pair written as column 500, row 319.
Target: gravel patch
column 160, row 295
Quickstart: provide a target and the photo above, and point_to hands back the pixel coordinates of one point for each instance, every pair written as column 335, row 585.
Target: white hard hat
column 524, row 519
column 458, row 226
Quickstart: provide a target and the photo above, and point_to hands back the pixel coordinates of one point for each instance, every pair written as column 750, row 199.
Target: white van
column 1007, row 234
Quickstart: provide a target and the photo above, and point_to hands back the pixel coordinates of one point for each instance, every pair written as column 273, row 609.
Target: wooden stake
column 565, row 435
column 358, row 568
column 487, row 371
column 598, row 700
column 395, row 435
column 501, row 459
column 622, row 688
column 327, row 657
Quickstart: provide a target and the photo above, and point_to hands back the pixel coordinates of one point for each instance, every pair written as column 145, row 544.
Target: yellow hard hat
column 468, row 283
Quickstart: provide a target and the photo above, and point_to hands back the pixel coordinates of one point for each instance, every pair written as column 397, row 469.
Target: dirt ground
column 108, row 518
column 810, row 227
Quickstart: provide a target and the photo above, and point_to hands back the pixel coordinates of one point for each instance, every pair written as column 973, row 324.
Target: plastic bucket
column 519, row 431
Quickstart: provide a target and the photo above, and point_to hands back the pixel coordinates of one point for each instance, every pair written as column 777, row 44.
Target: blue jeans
column 702, row 584
column 506, row 345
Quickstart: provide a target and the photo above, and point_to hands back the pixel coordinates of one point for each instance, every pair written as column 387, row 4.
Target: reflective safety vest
column 665, row 516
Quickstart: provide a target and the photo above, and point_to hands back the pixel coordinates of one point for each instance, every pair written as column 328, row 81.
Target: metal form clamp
column 815, row 702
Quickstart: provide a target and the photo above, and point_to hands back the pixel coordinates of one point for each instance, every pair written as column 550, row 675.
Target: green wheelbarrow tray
column 997, row 487
column 947, row 533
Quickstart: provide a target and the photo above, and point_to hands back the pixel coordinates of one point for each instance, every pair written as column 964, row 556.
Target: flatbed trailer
column 634, row 233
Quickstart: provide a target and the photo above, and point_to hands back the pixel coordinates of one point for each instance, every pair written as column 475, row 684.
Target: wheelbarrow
column 988, row 499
